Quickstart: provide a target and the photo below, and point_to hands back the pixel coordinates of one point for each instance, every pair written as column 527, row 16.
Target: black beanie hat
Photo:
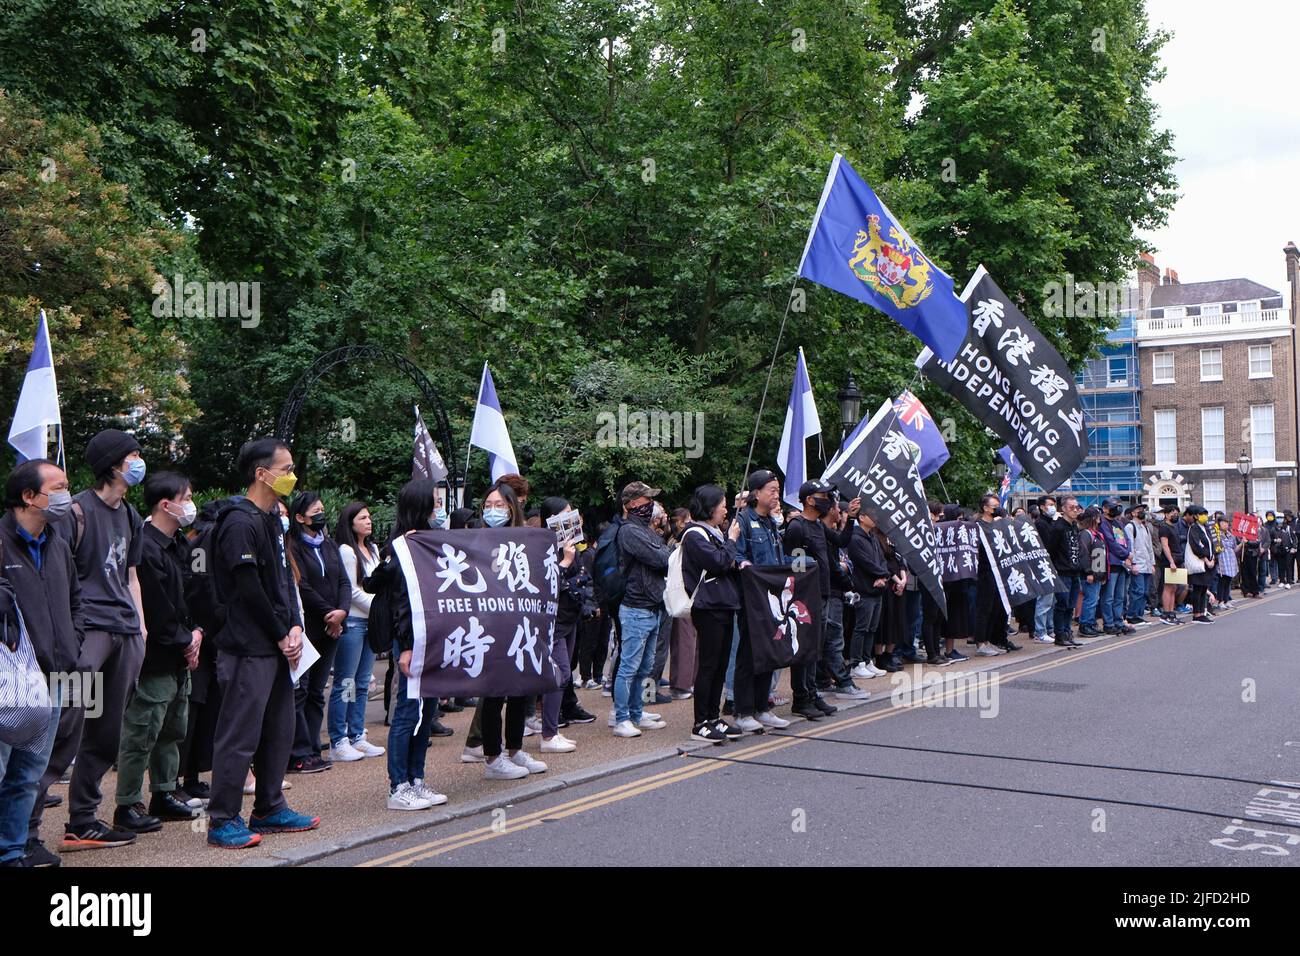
column 108, row 448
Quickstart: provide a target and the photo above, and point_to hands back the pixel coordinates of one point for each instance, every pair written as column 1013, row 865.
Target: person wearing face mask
column 39, row 577
column 1043, row 610
column 805, row 535
column 154, row 722
column 326, row 596
column 106, row 535
column 261, row 640
column 1200, row 544
column 1144, row 565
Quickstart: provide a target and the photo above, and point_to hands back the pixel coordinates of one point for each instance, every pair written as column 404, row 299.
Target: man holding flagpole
column 38, row 402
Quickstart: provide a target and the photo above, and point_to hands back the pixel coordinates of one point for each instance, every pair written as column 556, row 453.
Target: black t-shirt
column 247, row 535
column 1166, row 532
column 811, row 537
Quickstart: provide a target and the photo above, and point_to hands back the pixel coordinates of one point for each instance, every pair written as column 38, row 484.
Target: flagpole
column 749, row 458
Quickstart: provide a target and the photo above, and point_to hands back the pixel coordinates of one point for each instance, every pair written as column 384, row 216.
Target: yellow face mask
column 1203, row 519
column 283, row 485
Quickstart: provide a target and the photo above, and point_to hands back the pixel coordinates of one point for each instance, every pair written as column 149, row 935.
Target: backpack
column 1097, row 550
column 379, row 623
column 606, row 570
column 677, row 599
column 201, row 594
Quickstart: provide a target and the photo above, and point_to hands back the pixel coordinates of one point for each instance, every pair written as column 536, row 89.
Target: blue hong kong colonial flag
column 858, row 248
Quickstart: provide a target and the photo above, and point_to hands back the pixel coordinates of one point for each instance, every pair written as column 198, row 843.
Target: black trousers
column 516, row 711
column 309, row 698
column 751, row 689
column 713, row 633
column 1199, row 599
column 256, row 727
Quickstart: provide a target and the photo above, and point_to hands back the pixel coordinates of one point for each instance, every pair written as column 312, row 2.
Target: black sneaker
column 450, row 707
column 197, row 789
column 94, row 836
column 728, row 709
column 708, row 733
column 165, row 806
column 579, row 716
column 36, row 856
column 954, row 656
column 1009, row 646
column 1088, row 631
column 807, row 711
column 437, row 729
column 1202, row 619
column 311, row 764
column 52, row 800
column 730, row 731
column 136, row 819
column 825, row 707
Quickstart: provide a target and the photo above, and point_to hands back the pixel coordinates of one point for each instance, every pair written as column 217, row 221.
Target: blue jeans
column 20, row 777
column 1137, row 594
column 353, row 662
column 640, row 632
column 729, row 685
column 408, row 737
column 1091, row 592
column 1113, row 597
column 915, row 617
column 1043, row 614
column 1073, row 584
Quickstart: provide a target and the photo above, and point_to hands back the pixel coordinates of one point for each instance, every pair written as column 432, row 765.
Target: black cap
column 814, row 486
column 759, row 479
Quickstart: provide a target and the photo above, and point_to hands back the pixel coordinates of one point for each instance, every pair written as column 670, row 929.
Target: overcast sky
column 1231, row 96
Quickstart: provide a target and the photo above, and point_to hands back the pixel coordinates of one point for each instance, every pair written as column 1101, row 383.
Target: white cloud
column 1232, row 100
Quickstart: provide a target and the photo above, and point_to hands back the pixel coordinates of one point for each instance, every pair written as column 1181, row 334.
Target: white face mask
column 187, row 515
column 778, row 518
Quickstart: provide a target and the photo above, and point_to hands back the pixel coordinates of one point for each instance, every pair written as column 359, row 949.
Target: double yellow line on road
column 433, row 848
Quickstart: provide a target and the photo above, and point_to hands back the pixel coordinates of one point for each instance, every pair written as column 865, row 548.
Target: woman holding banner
column 574, row 592
column 990, row 615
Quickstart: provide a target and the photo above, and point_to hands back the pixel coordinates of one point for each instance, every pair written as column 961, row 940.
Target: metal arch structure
column 430, row 403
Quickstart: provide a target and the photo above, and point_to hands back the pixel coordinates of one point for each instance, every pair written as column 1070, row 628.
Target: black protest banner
column 1012, row 379
column 958, row 544
column 483, row 606
column 782, row 611
column 879, row 466
column 1021, row 566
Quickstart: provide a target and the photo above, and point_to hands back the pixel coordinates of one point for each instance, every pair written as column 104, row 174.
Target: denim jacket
column 760, row 541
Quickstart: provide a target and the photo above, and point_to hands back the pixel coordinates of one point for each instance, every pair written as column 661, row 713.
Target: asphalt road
column 1136, row 751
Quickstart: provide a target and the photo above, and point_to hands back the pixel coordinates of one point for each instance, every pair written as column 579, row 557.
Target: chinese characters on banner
column 1012, row 379
column 958, row 544
column 1022, row 568
column 878, row 467
column 483, row 606
column 1245, row 527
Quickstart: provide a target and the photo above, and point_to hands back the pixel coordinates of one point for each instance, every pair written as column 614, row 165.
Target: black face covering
column 642, row 512
column 823, row 506
column 316, row 522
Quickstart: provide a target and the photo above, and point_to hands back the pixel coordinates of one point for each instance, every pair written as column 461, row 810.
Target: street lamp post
column 1244, row 465
column 850, row 405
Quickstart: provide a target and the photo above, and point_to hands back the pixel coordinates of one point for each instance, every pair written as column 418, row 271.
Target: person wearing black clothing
column 1200, row 544
column 154, row 723
column 260, row 642
column 326, row 596
column 990, row 615
column 709, row 572
column 894, row 622
column 1061, row 538
column 831, row 674
column 38, row 577
column 805, row 537
column 870, row 578
column 574, row 592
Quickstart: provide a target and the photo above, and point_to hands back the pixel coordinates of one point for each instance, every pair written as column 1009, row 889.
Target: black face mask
column 823, row 506
column 316, row 523
column 642, row 512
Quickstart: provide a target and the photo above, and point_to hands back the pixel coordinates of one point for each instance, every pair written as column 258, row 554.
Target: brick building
column 1218, row 380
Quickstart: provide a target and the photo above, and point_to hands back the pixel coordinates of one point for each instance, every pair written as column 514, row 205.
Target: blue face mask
column 496, row 517
column 284, row 523
column 439, row 518
column 134, row 471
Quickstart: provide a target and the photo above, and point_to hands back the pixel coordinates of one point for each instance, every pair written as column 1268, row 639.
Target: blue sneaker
column 232, row 835
column 283, row 821
column 955, row 655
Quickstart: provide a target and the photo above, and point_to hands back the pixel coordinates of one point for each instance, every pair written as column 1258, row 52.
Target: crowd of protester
column 191, row 623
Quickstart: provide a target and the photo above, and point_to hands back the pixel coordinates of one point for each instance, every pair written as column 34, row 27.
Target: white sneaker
column 988, row 650
column 612, row 714
column 532, row 725
column 435, row 799
column 1044, row 639
column 500, row 768
column 591, row 685
column 861, row 670
column 522, row 759
column 407, row 797
column 874, row 671
column 367, row 748
column 558, row 745
column 648, row 722
column 749, row 725
column 626, row 729
column 652, row 715
column 472, row 755
column 344, row 752
column 769, row 719
column 852, row 692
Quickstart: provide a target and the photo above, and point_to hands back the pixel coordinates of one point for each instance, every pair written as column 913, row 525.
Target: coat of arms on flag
column 901, row 272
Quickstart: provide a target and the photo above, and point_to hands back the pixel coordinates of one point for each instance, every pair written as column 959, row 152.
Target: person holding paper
column 261, row 641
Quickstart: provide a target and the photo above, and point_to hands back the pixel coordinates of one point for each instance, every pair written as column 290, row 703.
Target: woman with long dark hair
column 709, row 572
column 326, row 596
column 408, row 736
column 353, row 660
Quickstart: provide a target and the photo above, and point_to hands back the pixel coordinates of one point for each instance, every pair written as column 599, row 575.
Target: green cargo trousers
column 153, row 728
